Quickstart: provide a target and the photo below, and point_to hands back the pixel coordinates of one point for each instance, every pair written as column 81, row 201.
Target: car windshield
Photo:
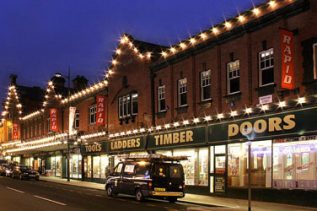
column 25, row 168
column 168, row 170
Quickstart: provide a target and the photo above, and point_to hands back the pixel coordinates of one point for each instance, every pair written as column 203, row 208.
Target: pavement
column 218, row 203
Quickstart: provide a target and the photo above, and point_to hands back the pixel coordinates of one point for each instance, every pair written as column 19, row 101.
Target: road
column 41, row 195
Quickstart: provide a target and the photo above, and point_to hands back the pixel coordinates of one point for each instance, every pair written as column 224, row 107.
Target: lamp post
column 249, row 175
column 68, row 133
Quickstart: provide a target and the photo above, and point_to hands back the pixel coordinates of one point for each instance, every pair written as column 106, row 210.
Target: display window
column 196, row 167
column 28, row 162
column 260, row 162
column 96, row 166
column 75, row 166
column 56, row 166
column 294, row 163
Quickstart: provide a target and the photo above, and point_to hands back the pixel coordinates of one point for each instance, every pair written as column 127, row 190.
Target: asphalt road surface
column 40, row 195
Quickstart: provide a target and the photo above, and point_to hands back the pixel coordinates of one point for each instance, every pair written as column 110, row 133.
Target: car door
column 128, row 178
column 117, row 178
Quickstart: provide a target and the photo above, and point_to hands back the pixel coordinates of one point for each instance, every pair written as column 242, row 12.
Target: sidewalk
column 221, row 202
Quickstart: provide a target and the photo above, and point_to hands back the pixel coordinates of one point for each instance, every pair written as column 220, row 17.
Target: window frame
column 203, row 86
column 182, row 85
column 315, row 60
column 161, row 97
column 134, row 98
column 265, row 68
column 229, row 70
column 92, row 114
column 77, row 119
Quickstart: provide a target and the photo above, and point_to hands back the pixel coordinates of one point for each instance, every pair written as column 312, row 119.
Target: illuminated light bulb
column 264, row 107
column 148, row 55
column 272, row 4
column 192, row 41
column 248, row 110
column 233, row 113
column 173, row 50
column 118, row 51
column 164, row 54
column 282, row 104
column 124, row 39
column 50, row 83
column 158, row 127
column 128, row 132
column 196, row 120
column 135, row 50
column 215, row 31
column 114, row 62
column 135, row 131
column 220, row 116
column 207, row 118
column 183, row 46
column 256, row 11
column 122, row 133
column 241, row 18
column 142, row 130
column 301, row 100
column 185, row 122
column 228, row 25
column 176, row 124
column 167, row 126
column 19, row 106
column 141, row 56
column 203, row 36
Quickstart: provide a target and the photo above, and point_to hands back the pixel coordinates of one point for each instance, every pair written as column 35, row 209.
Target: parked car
column 155, row 176
column 25, row 172
column 3, row 168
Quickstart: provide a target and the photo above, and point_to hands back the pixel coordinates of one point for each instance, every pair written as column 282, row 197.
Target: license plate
column 160, row 189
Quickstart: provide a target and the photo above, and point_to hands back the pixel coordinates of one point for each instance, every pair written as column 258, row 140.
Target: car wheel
column 139, row 195
column 37, row 179
column 109, row 191
column 21, row 177
column 172, row 199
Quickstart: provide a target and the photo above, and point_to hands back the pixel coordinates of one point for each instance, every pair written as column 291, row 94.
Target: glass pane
column 96, row 167
column 211, row 159
column 189, row 165
column 220, row 164
column 220, row 149
column 203, row 167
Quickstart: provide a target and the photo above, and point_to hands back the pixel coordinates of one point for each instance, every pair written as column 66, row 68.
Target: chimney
column 13, row 79
column 58, row 80
column 80, row 83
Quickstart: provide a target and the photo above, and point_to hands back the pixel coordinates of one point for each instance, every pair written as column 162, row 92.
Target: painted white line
column 16, row 190
column 50, row 200
column 99, row 195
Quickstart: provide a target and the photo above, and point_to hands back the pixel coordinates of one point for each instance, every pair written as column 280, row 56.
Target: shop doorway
column 218, row 169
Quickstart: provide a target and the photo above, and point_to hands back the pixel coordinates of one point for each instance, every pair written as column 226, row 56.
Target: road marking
column 99, row 195
column 50, row 200
column 16, row 190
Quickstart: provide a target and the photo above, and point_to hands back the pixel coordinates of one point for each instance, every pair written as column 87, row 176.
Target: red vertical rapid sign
column 53, row 119
column 287, row 50
column 15, row 134
column 100, row 114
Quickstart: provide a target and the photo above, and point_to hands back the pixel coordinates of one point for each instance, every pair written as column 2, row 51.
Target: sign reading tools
column 287, row 50
column 100, row 116
column 53, row 120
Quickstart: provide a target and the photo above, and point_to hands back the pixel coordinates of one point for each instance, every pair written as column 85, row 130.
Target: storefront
column 189, row 142
column 95, row 161
column 132, row 145
column 283, row 152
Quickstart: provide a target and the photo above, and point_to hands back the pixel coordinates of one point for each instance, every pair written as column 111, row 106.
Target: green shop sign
column 127, row 145
column 94, row 148
column 295, row 123
column 188, row 137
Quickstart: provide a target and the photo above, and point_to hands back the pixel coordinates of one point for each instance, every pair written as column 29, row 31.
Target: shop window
column 196, row 167
column 161, row 98
column 315, row 60
column 294, row 164
column 56, row 166
column 105, row 170
column 77, row 119
column 96, row 168
column 92, row 114
column 233, row 77
column 260, row 163
column 266, row 67
column 134, row 103
column 205, row 85
column 182, row 92
column 75, row 166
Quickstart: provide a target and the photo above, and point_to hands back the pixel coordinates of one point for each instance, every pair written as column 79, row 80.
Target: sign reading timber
column 190, row 136
column 295, row 123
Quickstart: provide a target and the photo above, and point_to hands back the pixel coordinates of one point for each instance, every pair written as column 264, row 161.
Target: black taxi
column 155, row 176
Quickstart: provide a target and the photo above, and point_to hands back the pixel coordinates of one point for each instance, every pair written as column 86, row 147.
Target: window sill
column 205, row 101
column 266, row 89
column 235, row 94
column 182, row 109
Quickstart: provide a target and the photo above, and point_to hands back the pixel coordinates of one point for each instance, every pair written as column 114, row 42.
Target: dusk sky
column 41, row 37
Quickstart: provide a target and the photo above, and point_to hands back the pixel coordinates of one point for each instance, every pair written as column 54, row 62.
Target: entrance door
column 218, row 169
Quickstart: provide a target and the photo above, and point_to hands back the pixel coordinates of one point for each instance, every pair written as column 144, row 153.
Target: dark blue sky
column 41, row 37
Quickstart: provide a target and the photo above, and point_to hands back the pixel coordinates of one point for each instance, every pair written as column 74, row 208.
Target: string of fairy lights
column 128, row 42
